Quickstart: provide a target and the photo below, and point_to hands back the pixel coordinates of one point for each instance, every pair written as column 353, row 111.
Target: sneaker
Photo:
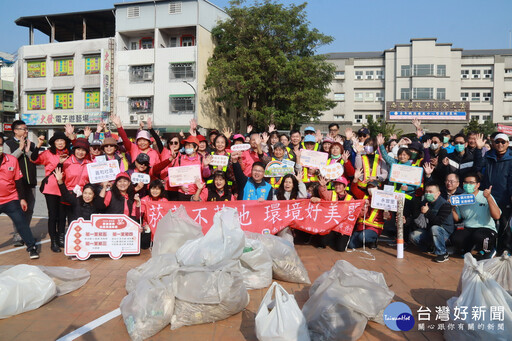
column 33, row 253
column 441, row 258
column 372, row 245
column 18, row 241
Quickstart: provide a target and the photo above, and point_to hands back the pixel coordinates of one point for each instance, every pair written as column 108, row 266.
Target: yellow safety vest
column 306, row 178
column 371, row 219
column 224, row 169
column 367, row 171
column 334, row 197
column 330, row 185
column 317, row 146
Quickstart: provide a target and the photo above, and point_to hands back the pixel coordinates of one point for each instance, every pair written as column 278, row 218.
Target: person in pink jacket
column 51, row 158
column 75, row 167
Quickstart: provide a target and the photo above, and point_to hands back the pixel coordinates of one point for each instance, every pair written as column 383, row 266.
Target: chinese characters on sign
column 463, row 199
column 386, row 200
column 61, row 119
column 427, row 110
column 404, row 174
column 102, row 171
column 461, row 318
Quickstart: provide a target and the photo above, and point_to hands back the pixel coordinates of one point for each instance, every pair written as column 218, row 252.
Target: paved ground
column 416, row 281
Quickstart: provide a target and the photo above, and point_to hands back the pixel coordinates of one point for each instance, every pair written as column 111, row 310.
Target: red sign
column 268, row 216
column 7, row 127
column 112, row 234
column 505, row 129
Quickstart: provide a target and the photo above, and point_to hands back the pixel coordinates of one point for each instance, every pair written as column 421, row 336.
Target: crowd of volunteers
column 453, row 165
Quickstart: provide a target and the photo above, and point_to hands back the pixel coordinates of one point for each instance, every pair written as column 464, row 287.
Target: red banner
column 269, row 216
column 505, row 129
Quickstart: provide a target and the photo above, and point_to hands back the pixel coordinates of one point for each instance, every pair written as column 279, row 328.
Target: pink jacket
column 75, row 173
column 134, row 150
column 184, row 160
column 50, row 162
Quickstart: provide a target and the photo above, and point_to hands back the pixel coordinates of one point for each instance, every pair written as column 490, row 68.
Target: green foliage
column 381, row 127
column 473, row 126
column 264, row 65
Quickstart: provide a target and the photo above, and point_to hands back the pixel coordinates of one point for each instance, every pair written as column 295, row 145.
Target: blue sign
column 428, row 115
column 463, row 199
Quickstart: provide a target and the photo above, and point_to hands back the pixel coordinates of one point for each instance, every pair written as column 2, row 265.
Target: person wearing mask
column 460, row 161
column 362, row 135
column 374, row 167
column 433, row 224
column 255, row 154
column 21, row 148
column 479, row 230
column 445, row 134
column 253, row 187
column 12, row 201
column 437, row 155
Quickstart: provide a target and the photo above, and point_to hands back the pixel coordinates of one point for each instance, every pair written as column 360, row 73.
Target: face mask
column 368, row 149
column 434, row 146
column 446, row 139
column 189, row 151
column 335, row 156
column 469, row 188
column 430, row 197
column 459, row 147
column 413, row 155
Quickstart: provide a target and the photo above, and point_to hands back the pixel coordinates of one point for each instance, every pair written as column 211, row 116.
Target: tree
column 473, row 126
column 264, row 64
column 381, row 127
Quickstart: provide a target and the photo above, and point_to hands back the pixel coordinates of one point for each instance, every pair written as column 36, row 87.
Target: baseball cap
column 501, row 136
column 142, row 158
column 342, row 180
column 96, row 142
column 310, row 128
column 309, row 138
column 143, row 134
column 363, row 131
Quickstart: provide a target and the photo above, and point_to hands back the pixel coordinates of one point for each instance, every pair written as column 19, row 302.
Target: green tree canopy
column 264, row 64
column 487, row 128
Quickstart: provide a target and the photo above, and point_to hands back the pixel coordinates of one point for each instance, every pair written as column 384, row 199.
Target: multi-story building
column 6, row 91
column 140, row 59
column 443, row 86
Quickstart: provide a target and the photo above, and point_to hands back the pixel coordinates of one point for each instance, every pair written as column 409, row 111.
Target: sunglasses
column 174, row 142
column 95, row 147
column 500, row 142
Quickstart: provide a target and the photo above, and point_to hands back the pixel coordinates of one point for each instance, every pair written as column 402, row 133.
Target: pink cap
column 143, row 134
column 342, row 180
column 238, row 137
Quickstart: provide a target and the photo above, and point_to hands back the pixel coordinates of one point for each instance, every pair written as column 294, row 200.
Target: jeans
column 14, row 211
column 436, row 235
column 356, row 240
column 30, row 197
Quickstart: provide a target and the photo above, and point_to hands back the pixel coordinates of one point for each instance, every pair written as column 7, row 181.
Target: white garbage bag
column 24, row 288
column 342, row 300
column 286, row 234
column 279, row 318
column 256, row 265
column 155, row 268
column 224, row 241
column 148, row 308
column 479, row 289
column 500, row 269
column 208, row 294
column 286, row 263
column 173, row 230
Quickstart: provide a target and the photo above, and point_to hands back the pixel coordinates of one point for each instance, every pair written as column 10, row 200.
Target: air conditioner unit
column 380, row 99
column 464, row 76
column 487, row 99
column 464, row 99
column 142, row 118
column 488, row 75
column 359, row 77
column 476, row 76
column 133, row 118
column 147, row 76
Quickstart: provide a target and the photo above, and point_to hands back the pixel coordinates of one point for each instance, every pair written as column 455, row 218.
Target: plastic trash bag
column 479, row 289
column 148, row 309
column 66, row 279
column 500, row 269
column 256, row 265
column 279, row 318
column 208, row 294
column 224, row 241
column 155, row 268
column 342, row 300
column 24, row 288
column 286, row 234
column 286, row 263
column 173, row 230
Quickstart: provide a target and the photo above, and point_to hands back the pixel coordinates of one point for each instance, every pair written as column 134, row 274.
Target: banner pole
column 400, row 230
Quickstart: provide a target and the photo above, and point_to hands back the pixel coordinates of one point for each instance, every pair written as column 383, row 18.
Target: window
column 134, row 45
column 369, row 74
column 508, row 72
column 379, row 74
column 475, row 117
column 36, row 101
column 380, row 116
column 464, row 73
column 369, row 97
column 475, row 97
column 141, row 105
column 146, row 43
column 63, row 100
column 180, row 104
column 339, row 74
column 488, row 73
column 405, row 93
column 63, row 67
column 359, row 118
column 359, row 74
column 508, row 96
column 423, row 69
column 507, row 118
column 379, row 96
column 423, row 93
column 173, row 42
column 441, row 70
column 187, row 40
column 487, row 96
column 141, row 73
column 133, row 12
column 358, row 96
column 182, row 70
column 339, row 97
column 92, row 99
column 175, row 7
column 441, row 93
column 486, row 118
column 406, row 71
column 339, row 117
column 464, row 96
column 36, row 69
column 475, row 73
column 92, row 65
column 6, row 96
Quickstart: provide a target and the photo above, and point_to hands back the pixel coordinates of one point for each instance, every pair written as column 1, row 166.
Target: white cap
column 502, row 136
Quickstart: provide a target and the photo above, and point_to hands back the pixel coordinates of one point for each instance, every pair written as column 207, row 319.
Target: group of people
column 452, row 165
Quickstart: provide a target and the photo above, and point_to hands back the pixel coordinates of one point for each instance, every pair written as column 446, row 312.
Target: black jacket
column 80, row 209
column 28, row 168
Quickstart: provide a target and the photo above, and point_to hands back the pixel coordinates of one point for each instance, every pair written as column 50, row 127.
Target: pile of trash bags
column 26, row 287
column 194, row 278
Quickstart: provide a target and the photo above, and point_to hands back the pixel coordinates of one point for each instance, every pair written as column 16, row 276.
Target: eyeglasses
column 500, row 142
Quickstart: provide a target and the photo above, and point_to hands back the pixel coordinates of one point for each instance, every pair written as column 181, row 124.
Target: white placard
column 102, row 171
column 387, row 201
column 240, row 147
column 313, row 159
column 141, row 177
column 332, row 171
column 219, row 160
column 403, row 174
column 100, row 158
column 184, row 175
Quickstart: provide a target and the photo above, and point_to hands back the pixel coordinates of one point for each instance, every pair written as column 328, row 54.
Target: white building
column 423, row 79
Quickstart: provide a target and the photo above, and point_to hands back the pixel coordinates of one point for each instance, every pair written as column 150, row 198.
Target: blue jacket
column 496, row 173
column 248, row 189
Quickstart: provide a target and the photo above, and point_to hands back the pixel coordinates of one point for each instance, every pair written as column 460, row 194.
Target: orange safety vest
column 368, row 172
column 370, row 221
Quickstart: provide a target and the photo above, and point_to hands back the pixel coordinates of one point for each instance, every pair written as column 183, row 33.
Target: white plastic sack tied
column 24, row 288
column 286, row 263
column 342, row 300
column 256, row 265
column 224, row 241
column 173, row 230
column 500, row 269
column 280, row 318
column 155, row 268
column 479, row 289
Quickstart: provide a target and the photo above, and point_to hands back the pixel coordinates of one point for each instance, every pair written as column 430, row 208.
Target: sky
column 356, row 26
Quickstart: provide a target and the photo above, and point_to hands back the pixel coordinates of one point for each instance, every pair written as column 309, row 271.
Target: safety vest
column 417, row 163
column 370, row 221
column 398, row 190
column 291, row 155
column 317, row 146
column 252, row 192
column 334, row 197
column 306, row 178
column 330, row 185
column 224, row 169
column 368, row 172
